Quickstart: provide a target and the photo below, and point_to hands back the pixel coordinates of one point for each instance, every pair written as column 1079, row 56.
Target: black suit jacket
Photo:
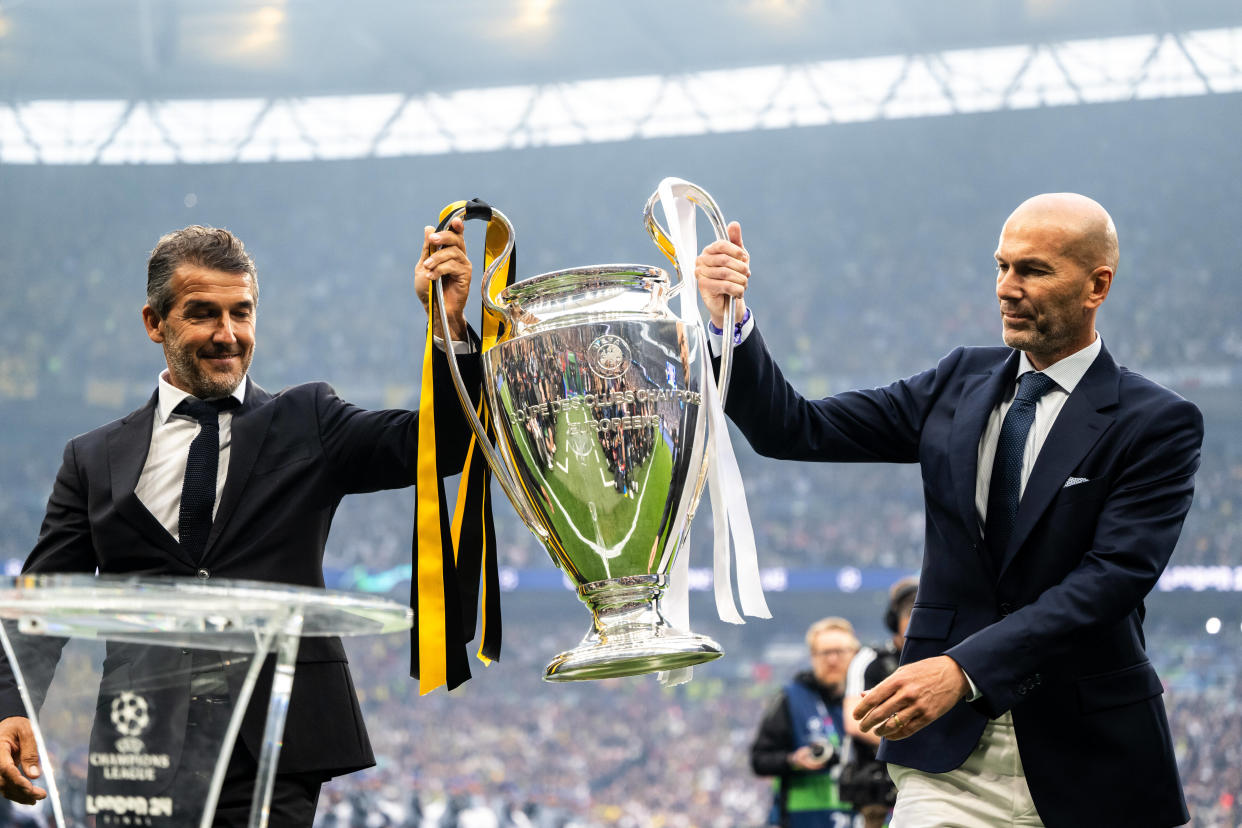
column 294, row 455
column 1055, row 636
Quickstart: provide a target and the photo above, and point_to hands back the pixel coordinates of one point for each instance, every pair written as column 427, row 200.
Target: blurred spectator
column 800, row 738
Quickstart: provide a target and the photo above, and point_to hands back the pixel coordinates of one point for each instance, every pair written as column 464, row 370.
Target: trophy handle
column 700, row 197
column 507, row 483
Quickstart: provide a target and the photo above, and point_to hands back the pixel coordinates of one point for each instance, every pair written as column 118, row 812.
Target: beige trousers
column 988, row 791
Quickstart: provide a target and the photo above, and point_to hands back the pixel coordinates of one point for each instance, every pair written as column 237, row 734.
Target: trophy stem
column 629, row 635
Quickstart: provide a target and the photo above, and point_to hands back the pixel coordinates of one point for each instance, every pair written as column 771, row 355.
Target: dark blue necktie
column 198, row 491
column 1006, row 487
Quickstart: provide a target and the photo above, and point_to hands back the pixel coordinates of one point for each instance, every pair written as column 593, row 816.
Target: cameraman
column 799, row 739
column 865, row 782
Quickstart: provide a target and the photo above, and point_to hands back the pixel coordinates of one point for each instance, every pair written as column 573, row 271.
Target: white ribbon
column 730, row 516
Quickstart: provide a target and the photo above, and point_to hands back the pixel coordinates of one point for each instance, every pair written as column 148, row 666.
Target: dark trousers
column 294, row 795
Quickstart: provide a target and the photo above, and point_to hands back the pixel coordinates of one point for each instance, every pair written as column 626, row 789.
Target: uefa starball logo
column 115, row 793
column 130, row 716
column 608, row 356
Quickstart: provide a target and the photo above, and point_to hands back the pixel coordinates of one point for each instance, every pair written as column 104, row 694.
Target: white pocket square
column 1074, row 481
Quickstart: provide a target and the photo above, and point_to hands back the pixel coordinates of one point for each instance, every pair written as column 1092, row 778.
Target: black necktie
column 198, row 491
column 1006, row 486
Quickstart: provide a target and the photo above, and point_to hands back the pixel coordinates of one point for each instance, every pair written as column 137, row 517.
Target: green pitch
column 619, row 535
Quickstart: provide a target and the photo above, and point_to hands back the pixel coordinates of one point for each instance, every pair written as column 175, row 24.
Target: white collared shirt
column 159, row 485
column 1066, row 373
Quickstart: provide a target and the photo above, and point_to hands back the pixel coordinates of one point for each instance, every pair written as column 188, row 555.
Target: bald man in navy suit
column 1056, row 483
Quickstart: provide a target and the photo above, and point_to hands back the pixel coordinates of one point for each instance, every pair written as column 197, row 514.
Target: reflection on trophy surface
column 598, row 406
column 597, row 390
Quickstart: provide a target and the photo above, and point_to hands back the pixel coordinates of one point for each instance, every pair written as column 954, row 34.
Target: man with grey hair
column 1056, row 483
column 214, row 477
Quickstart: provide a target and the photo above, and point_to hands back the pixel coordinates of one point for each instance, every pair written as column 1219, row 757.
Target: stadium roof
column 513, row 117
column 169, row 49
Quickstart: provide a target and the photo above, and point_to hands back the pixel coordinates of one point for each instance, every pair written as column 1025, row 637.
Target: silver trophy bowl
column 596, row 392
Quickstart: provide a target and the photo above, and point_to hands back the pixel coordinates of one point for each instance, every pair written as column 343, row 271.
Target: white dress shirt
column 159, row 485
column 1066, row 373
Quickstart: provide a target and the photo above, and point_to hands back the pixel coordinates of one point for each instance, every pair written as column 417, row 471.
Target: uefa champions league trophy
column 597, row 389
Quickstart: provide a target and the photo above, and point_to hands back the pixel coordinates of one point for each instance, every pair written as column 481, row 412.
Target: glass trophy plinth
column 136, row 687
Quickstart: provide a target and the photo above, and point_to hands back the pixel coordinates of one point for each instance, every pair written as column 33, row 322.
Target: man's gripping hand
column 722, row 270
column 444, row 257
column 913, row 697
column 19, row 759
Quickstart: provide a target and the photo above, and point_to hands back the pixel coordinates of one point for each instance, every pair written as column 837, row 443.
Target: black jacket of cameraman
column 777, row 739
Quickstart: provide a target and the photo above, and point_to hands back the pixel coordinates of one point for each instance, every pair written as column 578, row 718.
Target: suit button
column 203, row 574
column 1022, row 690
column 1006, row 608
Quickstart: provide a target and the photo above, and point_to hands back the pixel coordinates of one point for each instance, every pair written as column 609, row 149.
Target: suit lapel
column 1078, row 427
column 128, row 447
column 980, row 393
column 249, row 428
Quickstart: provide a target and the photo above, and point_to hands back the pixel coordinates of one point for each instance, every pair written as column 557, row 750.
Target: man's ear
column 151, row 320
column 1101, row 280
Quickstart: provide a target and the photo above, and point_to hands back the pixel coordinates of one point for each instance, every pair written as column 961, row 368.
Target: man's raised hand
column 722, row 270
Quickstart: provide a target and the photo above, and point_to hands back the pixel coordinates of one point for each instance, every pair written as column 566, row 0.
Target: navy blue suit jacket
column 294, row 456
column 1055, row 636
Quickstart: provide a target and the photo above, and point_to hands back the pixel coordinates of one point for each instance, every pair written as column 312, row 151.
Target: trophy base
column 630, row 636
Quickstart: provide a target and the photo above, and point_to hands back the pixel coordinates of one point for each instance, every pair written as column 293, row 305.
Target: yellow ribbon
column 445, row 619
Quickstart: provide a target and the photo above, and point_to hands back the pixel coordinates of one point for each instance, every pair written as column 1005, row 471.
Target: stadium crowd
column 622, row 752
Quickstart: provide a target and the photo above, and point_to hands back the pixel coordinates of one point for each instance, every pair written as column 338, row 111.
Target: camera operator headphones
column 898, row 593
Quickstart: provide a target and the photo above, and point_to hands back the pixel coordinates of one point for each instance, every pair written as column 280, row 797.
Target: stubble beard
column 204, row 385
column 1043, row 339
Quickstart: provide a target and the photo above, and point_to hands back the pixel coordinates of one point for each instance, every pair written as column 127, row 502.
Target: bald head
column 1054, row 265
column 1086, row 229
